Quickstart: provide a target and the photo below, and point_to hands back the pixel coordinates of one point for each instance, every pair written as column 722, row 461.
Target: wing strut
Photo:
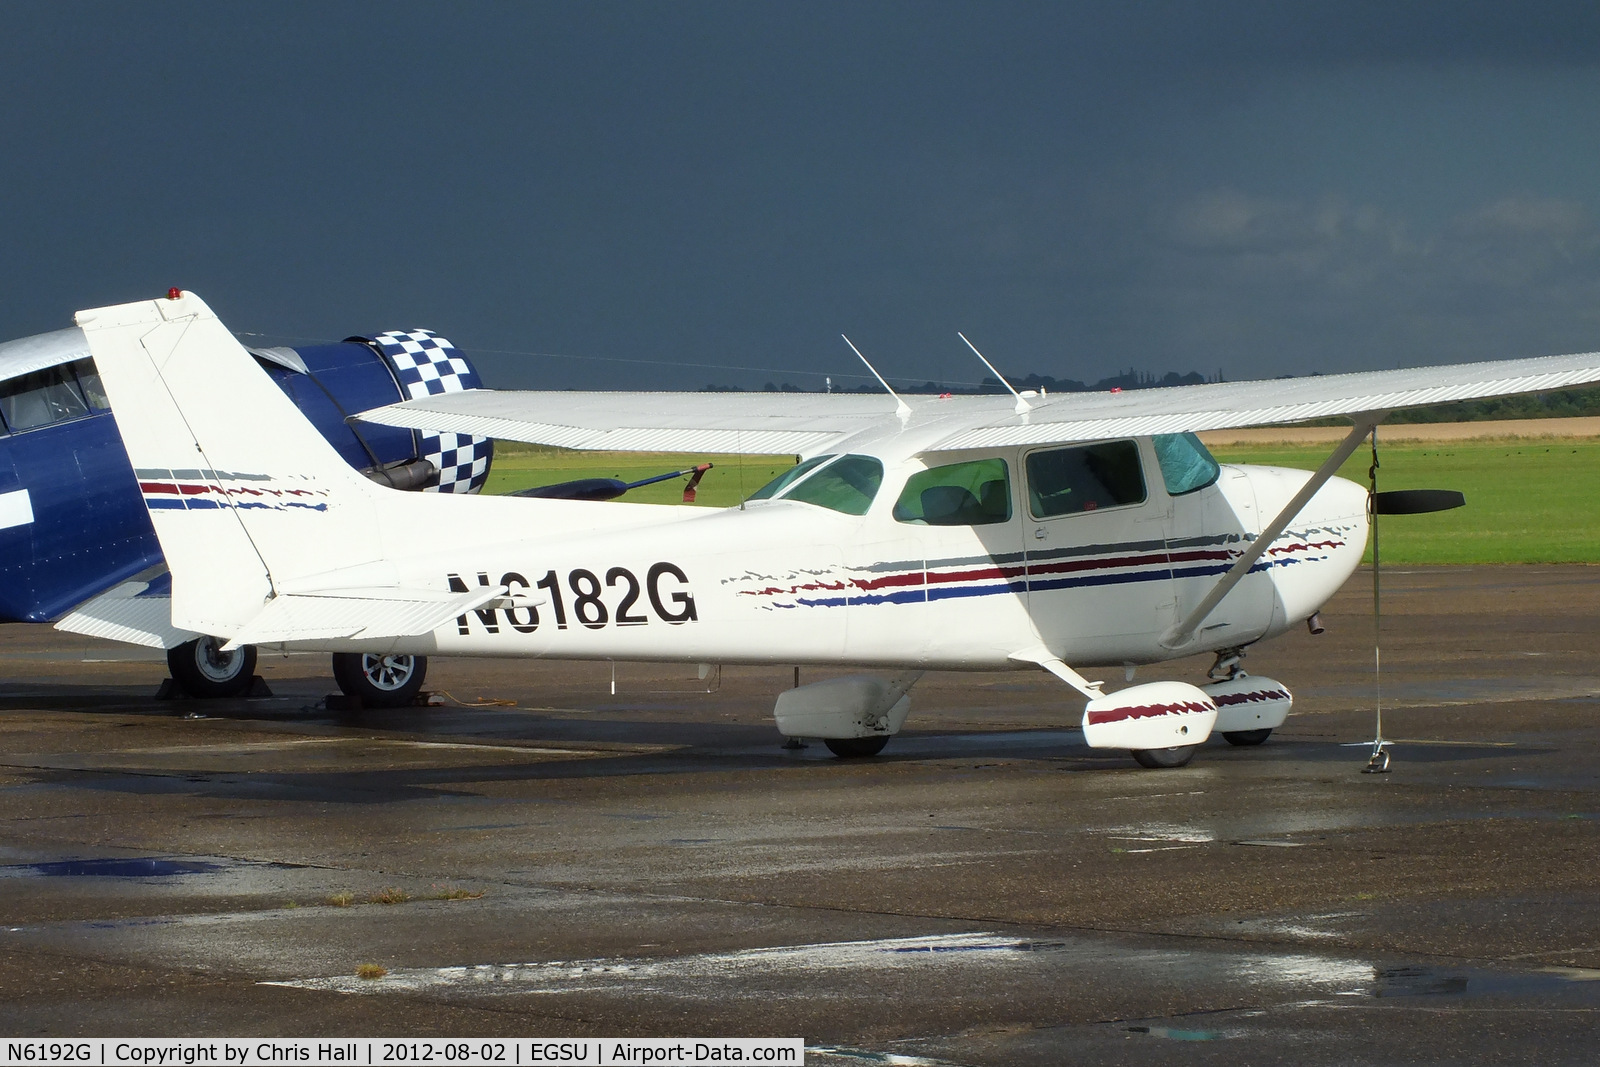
column 1042, row 656
column 1183, row 631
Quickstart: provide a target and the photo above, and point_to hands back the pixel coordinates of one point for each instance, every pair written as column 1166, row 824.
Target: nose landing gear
column 1249, row 707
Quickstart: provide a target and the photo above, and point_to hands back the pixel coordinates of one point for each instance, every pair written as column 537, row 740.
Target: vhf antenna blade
column 901, row 408
column 1023, row 407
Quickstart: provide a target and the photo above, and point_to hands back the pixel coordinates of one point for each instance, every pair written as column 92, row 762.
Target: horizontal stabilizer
column 121, row 614
column 366, row 614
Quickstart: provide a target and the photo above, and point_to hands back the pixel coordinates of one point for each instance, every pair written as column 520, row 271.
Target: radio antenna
column 1023, row 407
column 901, row 408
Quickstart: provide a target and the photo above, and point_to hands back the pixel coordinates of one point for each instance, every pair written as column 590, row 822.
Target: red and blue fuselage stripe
column 185, row 495
column 909, row 582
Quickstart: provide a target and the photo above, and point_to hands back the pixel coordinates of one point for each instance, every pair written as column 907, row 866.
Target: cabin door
column 1095, row 526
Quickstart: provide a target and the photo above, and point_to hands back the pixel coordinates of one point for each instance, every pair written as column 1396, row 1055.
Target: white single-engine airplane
column 964, row 533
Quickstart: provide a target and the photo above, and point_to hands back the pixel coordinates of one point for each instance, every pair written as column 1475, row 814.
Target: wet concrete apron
column 988, row 891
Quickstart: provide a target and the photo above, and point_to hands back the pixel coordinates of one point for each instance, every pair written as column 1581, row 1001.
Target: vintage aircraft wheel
column 1246, row 737
column 204, row 670
column 855, row 747
column 380, row 681
column 1156, row 758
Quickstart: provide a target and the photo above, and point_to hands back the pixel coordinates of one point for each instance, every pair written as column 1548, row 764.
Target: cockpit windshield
column 1186, row 463
column 839, row 483
column 789, row 477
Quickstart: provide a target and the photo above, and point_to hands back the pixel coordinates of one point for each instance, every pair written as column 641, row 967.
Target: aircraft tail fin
column 244, row 493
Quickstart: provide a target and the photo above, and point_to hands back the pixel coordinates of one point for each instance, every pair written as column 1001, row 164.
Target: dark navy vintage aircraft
column 76, row 544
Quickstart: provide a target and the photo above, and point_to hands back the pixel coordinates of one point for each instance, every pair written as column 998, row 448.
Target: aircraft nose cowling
column 1320, row 549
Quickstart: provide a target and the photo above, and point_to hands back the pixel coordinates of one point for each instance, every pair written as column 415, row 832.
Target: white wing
column 808, row 423
column 1081, row 417
column 749, row 423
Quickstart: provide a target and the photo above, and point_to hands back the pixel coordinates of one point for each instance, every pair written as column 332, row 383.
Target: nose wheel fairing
column 1248, row 704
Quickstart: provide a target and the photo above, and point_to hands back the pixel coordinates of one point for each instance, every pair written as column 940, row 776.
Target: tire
column 1247, row 737
column 204, row 670
column 856, row 747
column 1164, row 758
column 380, row 681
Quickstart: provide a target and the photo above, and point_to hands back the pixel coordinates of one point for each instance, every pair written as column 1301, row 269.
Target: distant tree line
column 1558, row 404
column 1130, row 379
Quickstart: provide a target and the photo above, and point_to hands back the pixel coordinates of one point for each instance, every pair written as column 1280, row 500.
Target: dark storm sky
column 649, row 195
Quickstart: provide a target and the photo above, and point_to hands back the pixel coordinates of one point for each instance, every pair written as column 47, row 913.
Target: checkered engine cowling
column 425, row 363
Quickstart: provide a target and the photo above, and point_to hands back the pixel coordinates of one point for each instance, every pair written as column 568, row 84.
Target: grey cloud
column 1528, row 217
column 1257, row 186
column 1256, row 280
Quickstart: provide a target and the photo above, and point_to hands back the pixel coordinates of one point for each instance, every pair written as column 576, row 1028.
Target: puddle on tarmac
column 1548, row 988
column 1178, row 1035
column 844, row 968
column 223, row 874
column 1418, row 982
column 1543, row 983
column 138, row 867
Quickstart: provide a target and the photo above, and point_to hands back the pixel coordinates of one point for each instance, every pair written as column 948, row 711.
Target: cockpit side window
column 976, row 493
column 1068, row 481
column 40, row 398
column 848, row 485
column 1186, row 463
column 789, row 477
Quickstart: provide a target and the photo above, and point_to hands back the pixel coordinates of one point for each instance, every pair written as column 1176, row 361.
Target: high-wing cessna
column 979, row 533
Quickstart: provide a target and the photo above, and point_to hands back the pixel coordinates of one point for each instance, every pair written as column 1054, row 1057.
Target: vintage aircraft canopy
column 28, row 354
column 42, row 351
column 809, row 423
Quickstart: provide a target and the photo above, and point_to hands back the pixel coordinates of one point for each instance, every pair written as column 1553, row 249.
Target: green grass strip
column 731, row 479
column 1527, row 501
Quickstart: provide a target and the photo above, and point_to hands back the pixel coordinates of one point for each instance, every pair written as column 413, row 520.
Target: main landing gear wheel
column 204, row 670
column 1157, row 758
column 380, row 681
column 855, row 747
column 1246, row 737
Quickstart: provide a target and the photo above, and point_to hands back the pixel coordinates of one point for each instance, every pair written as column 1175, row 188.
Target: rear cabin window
column 848, row 484
column 957, row 494
column 40, row 398
column 1186, row 463
column 1069, row 481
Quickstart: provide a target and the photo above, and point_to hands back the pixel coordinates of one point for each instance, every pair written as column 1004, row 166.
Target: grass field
column 1527, row 501
column 732, row 479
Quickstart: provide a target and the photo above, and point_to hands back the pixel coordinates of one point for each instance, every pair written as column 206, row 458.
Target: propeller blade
column 1416, row 501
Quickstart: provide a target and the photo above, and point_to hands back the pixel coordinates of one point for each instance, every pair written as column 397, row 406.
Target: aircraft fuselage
column 798, row 582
